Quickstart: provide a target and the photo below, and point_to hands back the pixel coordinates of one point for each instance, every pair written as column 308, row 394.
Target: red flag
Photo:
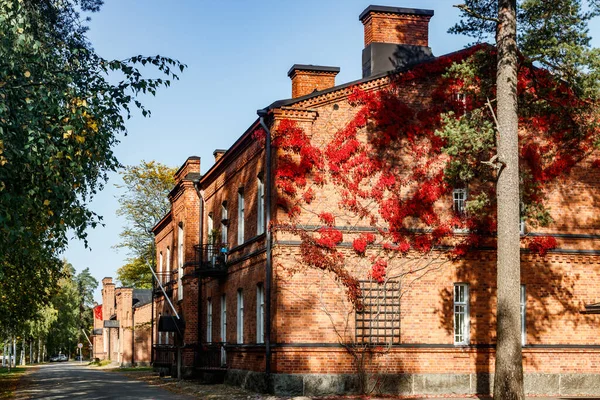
column 98, row 312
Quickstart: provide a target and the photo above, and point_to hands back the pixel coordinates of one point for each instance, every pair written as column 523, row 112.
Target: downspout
column 268, row 267
column 133, row 336
column 152, row 323
column 200, row 257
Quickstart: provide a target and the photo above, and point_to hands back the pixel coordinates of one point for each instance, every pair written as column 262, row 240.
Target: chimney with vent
column 395, row 38
column 309, row 78
column 218, row 153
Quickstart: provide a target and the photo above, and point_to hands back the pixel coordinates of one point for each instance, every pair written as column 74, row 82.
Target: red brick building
column 244, row 312
column 122, row 334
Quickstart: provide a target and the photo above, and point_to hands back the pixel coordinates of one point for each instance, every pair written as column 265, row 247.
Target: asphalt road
column 71, row 380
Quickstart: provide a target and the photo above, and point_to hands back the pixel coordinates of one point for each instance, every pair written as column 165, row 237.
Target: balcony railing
column 164, row 355
column 166, row 280
column 212, row 260
column 211, row 356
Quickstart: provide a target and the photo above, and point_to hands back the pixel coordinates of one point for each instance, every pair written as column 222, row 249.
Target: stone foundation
column 536, row 384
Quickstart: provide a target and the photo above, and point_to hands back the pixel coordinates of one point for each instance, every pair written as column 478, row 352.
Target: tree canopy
column 143, row 204
column 61, row 116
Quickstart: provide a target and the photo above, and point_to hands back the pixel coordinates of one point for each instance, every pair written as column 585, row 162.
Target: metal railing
column 166, row 280
column 164, row 355
column 212, row 259
column 211, row 356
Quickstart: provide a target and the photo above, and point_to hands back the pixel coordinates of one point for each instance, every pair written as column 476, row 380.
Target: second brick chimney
column 395, row 38
column 308, row 78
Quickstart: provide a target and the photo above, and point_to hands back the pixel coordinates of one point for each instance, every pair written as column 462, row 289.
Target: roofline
column 288, row 102
column 184, row 163
column 394, row 10
column 162, row 220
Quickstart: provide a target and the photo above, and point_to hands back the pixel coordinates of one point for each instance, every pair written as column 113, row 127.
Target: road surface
column 72, row 380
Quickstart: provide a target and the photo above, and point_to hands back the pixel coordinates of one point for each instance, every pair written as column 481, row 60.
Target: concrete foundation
column 409, row 384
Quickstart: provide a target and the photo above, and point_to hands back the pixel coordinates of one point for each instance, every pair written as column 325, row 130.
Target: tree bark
column 508, row 380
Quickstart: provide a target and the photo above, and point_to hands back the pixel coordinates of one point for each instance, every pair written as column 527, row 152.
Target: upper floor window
column 209, row 320
column 459, row 198
column 461, row 314
column 260, row 205
column 523, row 310
column 209, row 228
column 180, row 262
column 240, row 222
column 168, row 269
column 224, row 222
column 160, row 262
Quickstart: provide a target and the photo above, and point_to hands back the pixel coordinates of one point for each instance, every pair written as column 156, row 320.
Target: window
column 260, row 313
column 209, row 320
column 180, row 263
column 379, row 320
column 162, row 276
column 459, row 197
column 224, row 223
column 223, row 319
column 240, row 316
column 523, row 309
column 461, row 314
column 260, row 206
column 240, row 221
column 168, row 270
column 522, row 219
column 209, row 228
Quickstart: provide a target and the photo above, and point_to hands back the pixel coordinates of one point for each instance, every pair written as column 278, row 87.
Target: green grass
column 9, row 381
column 128, row 369
column 100, row 363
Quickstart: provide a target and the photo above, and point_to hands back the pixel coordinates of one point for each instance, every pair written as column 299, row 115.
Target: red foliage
column 378, row 270
column 542, row 244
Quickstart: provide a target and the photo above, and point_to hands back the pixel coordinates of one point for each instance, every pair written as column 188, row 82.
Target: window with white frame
column 522, row 219
column 209, row 320
column 160, row 268
column 240, row 217
column 260, row 313
column 461, row 314
column 168, row 269
column 223, row 319
column 260, row 205
column 459, row 198
column 523, row 315
column 209, row 228
column 240, row 316
column 224, row 222
column 180, row 263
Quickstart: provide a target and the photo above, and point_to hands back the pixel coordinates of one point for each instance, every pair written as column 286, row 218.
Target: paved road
column 76, row 381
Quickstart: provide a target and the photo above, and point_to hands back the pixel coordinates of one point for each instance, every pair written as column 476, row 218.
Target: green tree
column 552, row 34
column 144, row 202
column 60, row 118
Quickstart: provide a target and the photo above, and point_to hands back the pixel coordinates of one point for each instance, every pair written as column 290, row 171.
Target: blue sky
column 238, row 53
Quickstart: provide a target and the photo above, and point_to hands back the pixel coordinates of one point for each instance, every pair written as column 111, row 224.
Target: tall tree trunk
column 508, row 380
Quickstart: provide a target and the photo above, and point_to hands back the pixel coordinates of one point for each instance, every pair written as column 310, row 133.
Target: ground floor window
column 461, row 314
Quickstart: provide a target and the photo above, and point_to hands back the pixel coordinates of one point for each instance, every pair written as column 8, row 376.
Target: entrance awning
column 170, row 323
column 592, row 309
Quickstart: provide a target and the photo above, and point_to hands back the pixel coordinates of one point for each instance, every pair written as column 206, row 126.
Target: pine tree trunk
column 508, row 380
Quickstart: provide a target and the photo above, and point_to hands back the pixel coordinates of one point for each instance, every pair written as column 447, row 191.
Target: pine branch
column 464, row 8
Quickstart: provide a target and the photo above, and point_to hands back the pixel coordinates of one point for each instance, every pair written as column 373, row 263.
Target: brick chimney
column 395, row 38
column 218, row 153
column 190, row 166
column 308, row 78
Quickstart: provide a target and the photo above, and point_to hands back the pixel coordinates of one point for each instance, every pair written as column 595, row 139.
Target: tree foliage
column 143, row 204
column 60, row 118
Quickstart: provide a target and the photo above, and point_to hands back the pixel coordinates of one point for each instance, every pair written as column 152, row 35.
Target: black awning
column 170, row 323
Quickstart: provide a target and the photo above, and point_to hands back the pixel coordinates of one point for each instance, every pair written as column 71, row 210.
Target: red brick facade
column 561, row 346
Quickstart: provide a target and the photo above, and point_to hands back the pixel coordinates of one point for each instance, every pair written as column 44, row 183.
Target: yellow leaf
column 50, row 212
column 46, row 202
column 27, row 74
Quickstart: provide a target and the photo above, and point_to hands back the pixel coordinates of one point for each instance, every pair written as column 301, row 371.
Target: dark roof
column 394, row 10
column 141, row 297
column 310, row 67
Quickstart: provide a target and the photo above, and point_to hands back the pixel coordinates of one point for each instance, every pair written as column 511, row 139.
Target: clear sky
column 238, row 54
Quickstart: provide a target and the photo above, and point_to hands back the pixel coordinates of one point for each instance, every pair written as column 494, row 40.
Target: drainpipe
column 133, row 336
column 269, row 272
column 200, row 254
column 152, row 324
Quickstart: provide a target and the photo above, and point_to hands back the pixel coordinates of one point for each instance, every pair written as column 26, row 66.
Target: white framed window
column 168, row 269
column 161, row 271
column 240, row 217
column 223, row 319
column 459, row 201
column 240, row 316
column 210, row 227
column 523, row 315
column 209, row 320
column 224, row 222
column 180, row 262
column 260, row 313
column 461, row 314
column 260, row 205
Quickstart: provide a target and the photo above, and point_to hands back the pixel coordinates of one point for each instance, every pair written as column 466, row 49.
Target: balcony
column 212, row 260
column 164, row 356
column 166, row 280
